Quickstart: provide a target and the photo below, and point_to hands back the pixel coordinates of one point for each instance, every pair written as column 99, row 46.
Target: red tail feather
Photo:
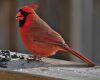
column 79, row 55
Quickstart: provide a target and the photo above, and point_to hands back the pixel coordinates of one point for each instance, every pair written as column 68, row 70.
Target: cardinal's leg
column 37, row 58
column 34, row 58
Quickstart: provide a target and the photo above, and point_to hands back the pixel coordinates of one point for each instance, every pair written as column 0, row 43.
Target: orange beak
column 19, row 16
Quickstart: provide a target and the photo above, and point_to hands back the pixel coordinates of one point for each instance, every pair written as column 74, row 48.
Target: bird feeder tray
column 47, row 69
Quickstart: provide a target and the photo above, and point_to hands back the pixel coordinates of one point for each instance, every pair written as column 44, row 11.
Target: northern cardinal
column 39, row 38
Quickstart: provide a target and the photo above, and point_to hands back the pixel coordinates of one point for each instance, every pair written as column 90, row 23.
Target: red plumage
column 39, row 38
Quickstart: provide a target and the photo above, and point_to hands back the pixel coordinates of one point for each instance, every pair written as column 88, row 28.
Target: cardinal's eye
column 23, row 12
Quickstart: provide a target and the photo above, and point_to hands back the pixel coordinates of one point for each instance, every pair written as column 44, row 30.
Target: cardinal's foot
column 34, row 58
column 37, row 58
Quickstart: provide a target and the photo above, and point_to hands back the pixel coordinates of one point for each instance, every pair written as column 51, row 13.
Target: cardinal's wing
column 40, row 31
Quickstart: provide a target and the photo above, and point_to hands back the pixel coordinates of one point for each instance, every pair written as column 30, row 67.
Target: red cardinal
column 39, row 38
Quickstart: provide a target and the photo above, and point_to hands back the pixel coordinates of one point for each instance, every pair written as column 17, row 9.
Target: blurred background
column 78, row 21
